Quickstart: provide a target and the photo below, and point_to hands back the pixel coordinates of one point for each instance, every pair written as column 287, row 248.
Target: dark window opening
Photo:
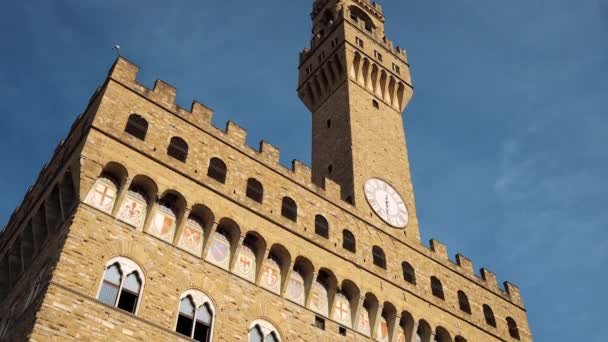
column 379, row 257
column 255, row 190
column 409, row 274
column 342, row 331
column 489, row 315
column 513, row 330
column 217, row 170
column 184, row 325
column 289, row 209
column 178, row 149
column 319, row 322
column 321, row 226
column 376, row 104
column 463, row 302
column 329, row 123
column 330, row 168
column 137, row 126
column 127, row 301
column 348, row 241
column 437, row 288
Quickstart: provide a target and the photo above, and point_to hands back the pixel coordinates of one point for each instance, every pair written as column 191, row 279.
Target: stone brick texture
column 51, row 295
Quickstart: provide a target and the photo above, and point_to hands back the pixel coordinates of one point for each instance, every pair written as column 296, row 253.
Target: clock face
column 386, row 202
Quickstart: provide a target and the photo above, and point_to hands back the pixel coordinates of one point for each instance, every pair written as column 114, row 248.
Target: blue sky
column 506, row 131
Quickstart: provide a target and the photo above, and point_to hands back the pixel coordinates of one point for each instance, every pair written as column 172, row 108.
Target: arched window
column 463, row 302
column 121, row 285
column 409, row 274
column 217, row 170
column 359, row 16
column 348, row 241
column 178, row 149
column 134, row 207
column 165, row 219
column 137, row 126
column 255, row 190
column 378, row 257
column 489, row 315
column 321, row 226
column 437, row 288
column 513, row 330
column 263, row 331
column 195, row 318
column 289, row 209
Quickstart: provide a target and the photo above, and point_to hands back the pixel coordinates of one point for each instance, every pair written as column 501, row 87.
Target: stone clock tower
column 357, row 83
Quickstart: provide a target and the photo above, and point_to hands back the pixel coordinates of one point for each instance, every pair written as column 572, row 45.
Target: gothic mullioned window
column 289, row 209
column 195, row 319
column 263, row 331
column 137, row 126
column 217, row 170
column 121, row 285
column 178, row 149
column 437, row 288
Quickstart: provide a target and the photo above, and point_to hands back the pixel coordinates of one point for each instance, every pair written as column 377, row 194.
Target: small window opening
column 137, row 126
column 321, row 226
column 329, row 123
column 359, row 41
column 319, row 322
column 396, row 68
column 255, row 190
column 376, row 104
column 378, row 55
column 289, row 209
column 342, row 331
column 330, row 168
column 178, row 149
column 217, row 170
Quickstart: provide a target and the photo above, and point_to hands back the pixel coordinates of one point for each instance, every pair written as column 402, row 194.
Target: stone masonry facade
column 190, row 212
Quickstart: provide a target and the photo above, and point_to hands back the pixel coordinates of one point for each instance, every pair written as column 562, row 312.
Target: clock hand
column 386, row 202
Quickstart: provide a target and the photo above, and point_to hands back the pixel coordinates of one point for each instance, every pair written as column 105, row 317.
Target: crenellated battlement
column 199, row 115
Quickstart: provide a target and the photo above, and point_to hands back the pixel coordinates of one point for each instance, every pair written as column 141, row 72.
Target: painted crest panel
column 363, row 322
column 133, row 210
column 295, row 288
column 382, row 330
column 191, row 238
column 103, row 195
column 246, row 264
column 318, row 299
column 342, row 313
column 271, row 276
column 163, row 224
column 219, row 251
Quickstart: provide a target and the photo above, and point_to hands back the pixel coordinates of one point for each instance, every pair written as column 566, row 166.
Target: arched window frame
column 463, row 302
column 321, row 226
column 409, row 273
column 348, row 241
column 217, row 170
column 289, row 209
column 378, row 257
column 513, row 329
column 437, row 288
column 126, row 267
column 178, row 149
column 137, row 126
column 255, row 190
column 266, row 328
column 199, row 299
column 488, row 314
